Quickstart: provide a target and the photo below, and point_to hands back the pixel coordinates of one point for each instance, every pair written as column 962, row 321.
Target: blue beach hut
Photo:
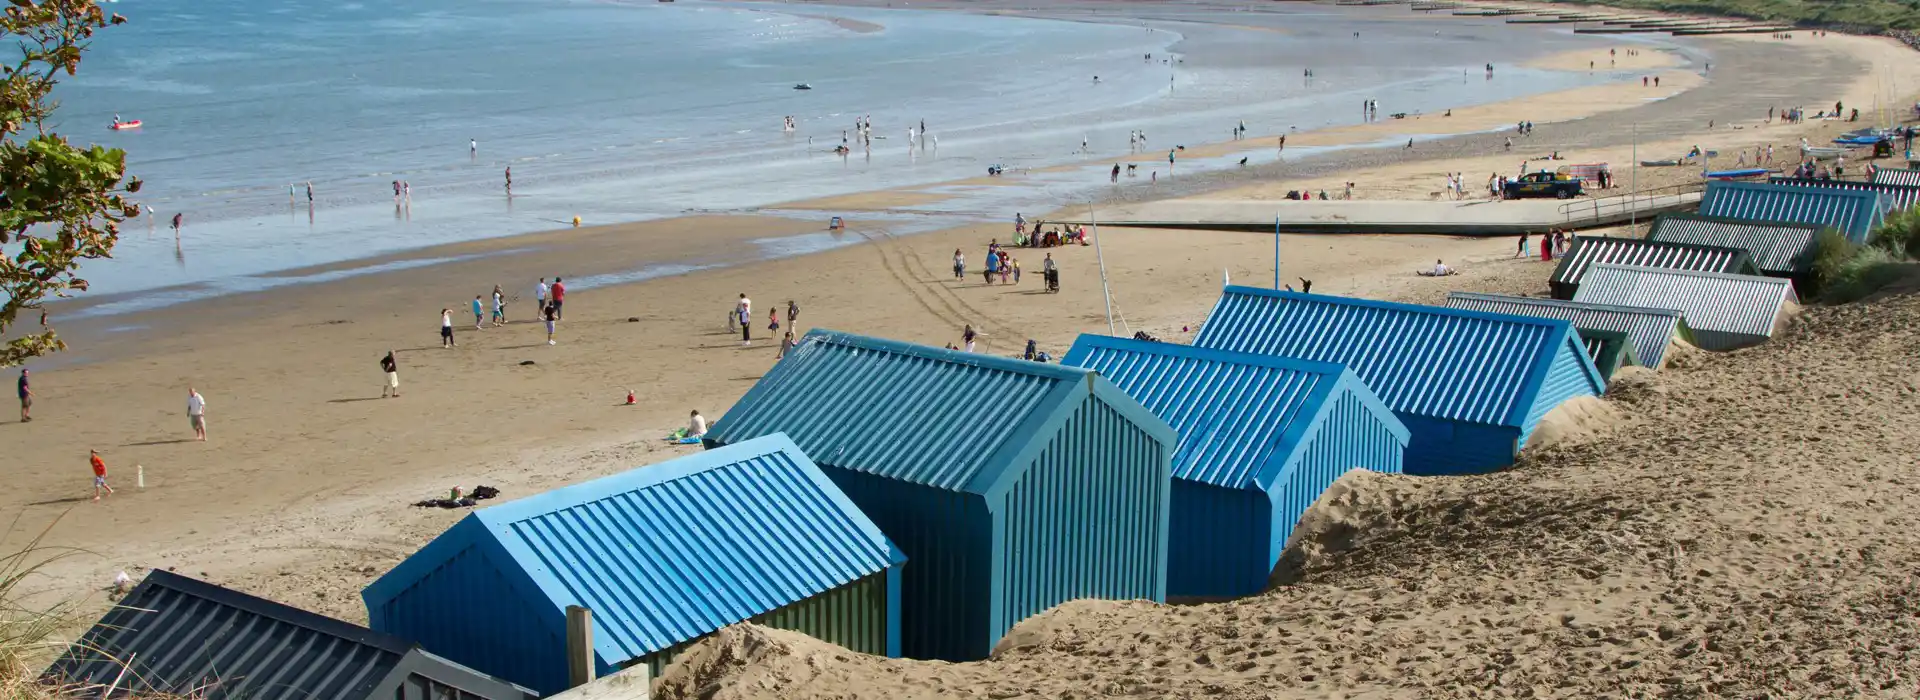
column 1855, row 213
column 1014, row 486
column 1260, row 437
column 662, row 555
column 1469, row 385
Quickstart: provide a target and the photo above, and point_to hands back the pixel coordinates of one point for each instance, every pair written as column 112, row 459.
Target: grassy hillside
column 1863, row 14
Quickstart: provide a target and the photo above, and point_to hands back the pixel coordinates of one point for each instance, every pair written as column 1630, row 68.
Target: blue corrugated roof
column 1431, row 361
column 1854, row 213
column 1238, row 415
column 918, row 414
column 666, row 553
column 1892, row 197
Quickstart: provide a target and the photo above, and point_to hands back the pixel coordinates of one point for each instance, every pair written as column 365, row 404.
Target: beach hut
column 662, row 555
column 1650, row 330
column 1897, row 176
column 1724, row 312
column 1588, row 251
column 1469, row 385
column 1892, row 197
column 1015, row 486
column 1854, row 213
column 1780, row 249
column 1610, row 350
column 1260, row 437
column 176, row 636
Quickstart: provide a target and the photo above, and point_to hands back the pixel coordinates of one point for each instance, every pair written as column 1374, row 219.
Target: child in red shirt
column 99, row 476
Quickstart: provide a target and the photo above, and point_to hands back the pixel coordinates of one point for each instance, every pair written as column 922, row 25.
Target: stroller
column 1053, row 280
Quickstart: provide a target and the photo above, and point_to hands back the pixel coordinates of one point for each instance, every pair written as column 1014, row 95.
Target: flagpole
column 1276, row 252
column 1101, row 256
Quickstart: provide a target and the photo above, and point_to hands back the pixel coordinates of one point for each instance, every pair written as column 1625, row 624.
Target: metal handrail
column 1595, row 207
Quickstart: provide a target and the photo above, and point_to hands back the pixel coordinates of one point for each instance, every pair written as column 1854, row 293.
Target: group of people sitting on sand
column 1044, row 238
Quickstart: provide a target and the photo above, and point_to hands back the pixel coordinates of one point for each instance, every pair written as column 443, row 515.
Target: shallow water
column 621, row 112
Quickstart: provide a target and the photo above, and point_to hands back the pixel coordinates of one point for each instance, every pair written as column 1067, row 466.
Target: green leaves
column 62, row 203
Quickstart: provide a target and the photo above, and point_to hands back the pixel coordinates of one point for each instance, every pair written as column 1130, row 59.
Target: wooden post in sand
column 579, row 646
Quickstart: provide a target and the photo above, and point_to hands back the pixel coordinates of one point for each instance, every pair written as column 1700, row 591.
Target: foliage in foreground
column 1844, row 271
column 59, row 203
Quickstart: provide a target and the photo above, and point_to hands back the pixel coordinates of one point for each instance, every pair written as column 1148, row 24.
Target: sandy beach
column 302, row 492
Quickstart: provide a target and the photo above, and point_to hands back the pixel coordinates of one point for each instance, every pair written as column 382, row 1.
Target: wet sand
column 301, row 493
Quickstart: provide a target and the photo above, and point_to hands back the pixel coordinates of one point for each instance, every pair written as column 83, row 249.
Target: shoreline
column 301, row 494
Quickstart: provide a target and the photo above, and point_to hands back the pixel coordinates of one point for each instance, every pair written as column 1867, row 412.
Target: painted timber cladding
column 1609, row 350
column 175, row 635
column 1725, row 312
column 1258, row 436
column 1588, row 251
column 1897, row 176
column 1892, row 197
column 1456, row 367
column 1853, row 213
column 1779, row 248
column 1015, row 486
column 1651, row 330
column 662, row 555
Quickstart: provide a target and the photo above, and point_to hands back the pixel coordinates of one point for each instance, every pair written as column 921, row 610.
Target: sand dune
column 1748, row 533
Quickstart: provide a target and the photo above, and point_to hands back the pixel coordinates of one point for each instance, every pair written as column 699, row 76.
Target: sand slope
column 1747, row 533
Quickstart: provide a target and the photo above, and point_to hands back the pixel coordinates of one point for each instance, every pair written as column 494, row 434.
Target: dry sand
column 301, row 493
column 1748, row 533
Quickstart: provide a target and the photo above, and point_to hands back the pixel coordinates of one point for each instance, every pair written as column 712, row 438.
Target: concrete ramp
column 1481, row 217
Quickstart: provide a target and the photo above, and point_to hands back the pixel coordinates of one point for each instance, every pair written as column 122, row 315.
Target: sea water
column 629, row 111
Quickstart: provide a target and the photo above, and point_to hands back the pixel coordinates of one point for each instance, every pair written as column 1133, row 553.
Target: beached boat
column 1860, row 140
column 1734, row 174
column 1668, row 163
column 118, row 126
column 1823, row 151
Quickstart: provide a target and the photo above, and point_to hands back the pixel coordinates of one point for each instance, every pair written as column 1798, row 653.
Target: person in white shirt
column 446, row 328
column 1440, row 269
column 197, row 414
column 745, row 312
column 697, row 426
column 540, row 299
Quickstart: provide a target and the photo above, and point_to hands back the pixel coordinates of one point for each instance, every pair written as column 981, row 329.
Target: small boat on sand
column 1734, row 174
column 1823, row 152
column 121, row 126
column 803, row 86
column 1668, row 163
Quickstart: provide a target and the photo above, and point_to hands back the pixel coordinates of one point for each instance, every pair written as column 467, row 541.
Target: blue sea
column 625, row 111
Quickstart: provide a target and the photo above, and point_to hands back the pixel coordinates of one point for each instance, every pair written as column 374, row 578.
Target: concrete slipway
column 1474, row 217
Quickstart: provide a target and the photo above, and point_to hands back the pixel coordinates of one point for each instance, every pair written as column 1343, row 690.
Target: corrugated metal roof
column 1897, row 176
column 1239, row 416
column 1745, row 304
column 1592, row 250
column 666, row 553
column 1650, row 329
column 1422, row 360
column 177, row 635
column 1892, row 197
column 1853, row 212
column 1778, row 248
column 922, row 415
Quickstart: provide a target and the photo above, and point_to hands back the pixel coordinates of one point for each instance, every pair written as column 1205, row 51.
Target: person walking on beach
column 1015, row 264
column 446, row 328
column 793, row 315
column 499, row 307
column 478, row 314
column 1050, row 273
column 391, row 368
column 967, row 336
column 773, row 321
column 558, row 296
column 99, row 475
column 959, row 264
column 993, row 265
column 1115, row 177
column 744, row 311
column 26, row 399
column 178, row 219
column 197, row 414
column 540, row 299
column 309, row 193
column 1522, row 251
column 553, row 314
column 786, row 345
